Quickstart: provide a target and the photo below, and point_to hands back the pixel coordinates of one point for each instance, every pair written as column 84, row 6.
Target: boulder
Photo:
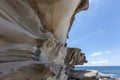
column 83, row 75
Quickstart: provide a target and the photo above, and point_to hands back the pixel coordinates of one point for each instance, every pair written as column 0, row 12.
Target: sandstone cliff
column 33, row 34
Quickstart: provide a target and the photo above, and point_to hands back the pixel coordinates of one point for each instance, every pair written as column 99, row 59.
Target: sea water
column 109, row 70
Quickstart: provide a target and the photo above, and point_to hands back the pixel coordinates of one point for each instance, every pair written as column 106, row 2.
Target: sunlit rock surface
column 33, row 34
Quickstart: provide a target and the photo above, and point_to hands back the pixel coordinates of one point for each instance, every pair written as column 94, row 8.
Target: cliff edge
column 33, row 37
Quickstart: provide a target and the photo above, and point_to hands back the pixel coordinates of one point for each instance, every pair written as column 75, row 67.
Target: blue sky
column 97, row 32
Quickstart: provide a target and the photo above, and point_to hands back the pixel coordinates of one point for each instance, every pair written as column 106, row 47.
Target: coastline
column 89, row 75
column 104, row 72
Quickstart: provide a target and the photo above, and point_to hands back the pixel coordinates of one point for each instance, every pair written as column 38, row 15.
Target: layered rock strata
column 33, row 34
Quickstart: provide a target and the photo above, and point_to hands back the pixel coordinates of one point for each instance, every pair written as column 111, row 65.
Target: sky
column 97, row 32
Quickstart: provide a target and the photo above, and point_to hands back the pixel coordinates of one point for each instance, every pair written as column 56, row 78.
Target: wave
column 108, row 76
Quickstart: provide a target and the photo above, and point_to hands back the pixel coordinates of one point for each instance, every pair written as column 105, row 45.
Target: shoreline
column 90, row 75
column 111, row 72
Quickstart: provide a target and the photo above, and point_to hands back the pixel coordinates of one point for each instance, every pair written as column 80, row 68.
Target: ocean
column 113, row 71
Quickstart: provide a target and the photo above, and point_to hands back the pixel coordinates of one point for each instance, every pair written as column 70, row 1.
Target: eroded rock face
column 32, row 38
column 30, row 72
column 74, row 57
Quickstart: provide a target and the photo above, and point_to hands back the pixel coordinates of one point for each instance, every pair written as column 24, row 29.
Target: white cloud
column 100, row 62
column 96, row 54
column 100, row 53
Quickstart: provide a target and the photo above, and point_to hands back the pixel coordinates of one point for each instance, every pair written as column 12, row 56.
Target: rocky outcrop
column 77, row 57
column 107, row 77
column 83, row 75
column 33, row 34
